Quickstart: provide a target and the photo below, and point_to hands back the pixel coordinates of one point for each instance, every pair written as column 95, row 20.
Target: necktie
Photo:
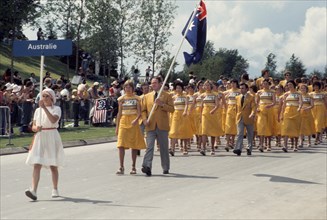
column 155, row 95
column 242, row 100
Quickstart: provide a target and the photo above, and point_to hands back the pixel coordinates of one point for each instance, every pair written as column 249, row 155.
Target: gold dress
column 129, row 136
column 180, row 124
column 292, row 120
column 230, row 121
column 198, row 112
column 307, row 122
column 191, row 113
column 276, row 122
column 318, row 110
column 265, row 115
column 210, row 122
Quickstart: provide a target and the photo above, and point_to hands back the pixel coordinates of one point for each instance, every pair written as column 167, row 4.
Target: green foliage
column 296, row 67
column 271, row 65
column 15, row 13
column 67, row 134
column 214, row 64
column 154, row 21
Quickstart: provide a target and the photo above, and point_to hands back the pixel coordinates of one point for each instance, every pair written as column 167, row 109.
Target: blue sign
column 42, row 47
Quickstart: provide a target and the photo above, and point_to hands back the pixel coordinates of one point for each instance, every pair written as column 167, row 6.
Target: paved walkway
column 269, row 185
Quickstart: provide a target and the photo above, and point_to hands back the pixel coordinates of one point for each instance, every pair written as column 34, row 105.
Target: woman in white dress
column 46, row 149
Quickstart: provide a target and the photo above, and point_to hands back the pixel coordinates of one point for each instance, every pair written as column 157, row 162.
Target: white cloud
column 309, row 44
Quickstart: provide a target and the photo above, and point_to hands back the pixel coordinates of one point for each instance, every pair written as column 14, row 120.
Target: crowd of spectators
column 20, row 98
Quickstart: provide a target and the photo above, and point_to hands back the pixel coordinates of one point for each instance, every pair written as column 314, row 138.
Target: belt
column 44, row 129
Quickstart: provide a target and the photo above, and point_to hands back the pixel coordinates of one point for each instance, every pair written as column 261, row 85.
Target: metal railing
column 5, row 126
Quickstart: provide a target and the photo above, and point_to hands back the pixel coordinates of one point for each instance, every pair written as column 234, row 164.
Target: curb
column 67, row 144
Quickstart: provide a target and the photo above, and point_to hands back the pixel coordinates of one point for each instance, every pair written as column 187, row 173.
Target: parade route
column 269, row 185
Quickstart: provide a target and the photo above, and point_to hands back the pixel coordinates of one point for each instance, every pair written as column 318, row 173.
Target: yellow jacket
column 248, row 108
column 160, row 117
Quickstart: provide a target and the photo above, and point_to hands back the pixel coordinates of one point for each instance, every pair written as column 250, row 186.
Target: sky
column 255, row 29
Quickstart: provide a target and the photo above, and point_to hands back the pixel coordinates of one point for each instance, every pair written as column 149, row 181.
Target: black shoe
column 237, row 152
column 172, row 153
column 248, row 152
column 31, row 194
column 227, row 149
column 165, row 172
column 146, row 170
column 284, row 149
column 203, row 152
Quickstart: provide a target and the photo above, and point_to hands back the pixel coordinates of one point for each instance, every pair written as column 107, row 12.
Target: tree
column 62, row 17
column 223, row 62
column 271, row 64
column 296, row 67
column 13, row 15
column 316, row 73
column 126, row 23
column 102, row 33
column 166, row 63
column 16, row 13
column 154, row 22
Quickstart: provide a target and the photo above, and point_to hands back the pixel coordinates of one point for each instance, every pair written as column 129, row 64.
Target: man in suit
column 158, row 125
column 245, row 107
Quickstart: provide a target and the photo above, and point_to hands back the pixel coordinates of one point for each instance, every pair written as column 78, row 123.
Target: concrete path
column 269, row 185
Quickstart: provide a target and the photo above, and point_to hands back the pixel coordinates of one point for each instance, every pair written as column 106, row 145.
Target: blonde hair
column 129, row 83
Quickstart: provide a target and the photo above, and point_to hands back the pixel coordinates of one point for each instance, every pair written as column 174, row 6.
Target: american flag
column 100, row 111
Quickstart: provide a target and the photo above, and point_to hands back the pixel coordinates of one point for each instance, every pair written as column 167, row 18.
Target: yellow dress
column 230, row 121
column 292, row 120
column 255, row 117
column 191, row 113
column 318, row 110
column 129, row 136
column 307, row 122
column 180, row 125
column 220, row 113
column 276, row 123
column 210, row 122
column 265, row 115
column 198, row 112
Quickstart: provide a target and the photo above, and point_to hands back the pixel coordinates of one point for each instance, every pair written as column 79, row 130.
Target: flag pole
column 174, row 59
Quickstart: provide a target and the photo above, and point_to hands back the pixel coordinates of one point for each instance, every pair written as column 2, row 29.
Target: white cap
column 16, row 88
column 96, row 83
column 9, row 86
column 51, row 93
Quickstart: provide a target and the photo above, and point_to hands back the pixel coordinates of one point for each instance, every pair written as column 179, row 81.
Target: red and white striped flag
column 100, row 111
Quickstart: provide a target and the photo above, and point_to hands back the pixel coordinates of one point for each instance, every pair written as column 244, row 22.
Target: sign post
column 42, row 48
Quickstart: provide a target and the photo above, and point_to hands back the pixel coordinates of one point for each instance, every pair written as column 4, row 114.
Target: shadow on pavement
column 91, row 201
column 177, row 175
column 77, row 200
column 282, row 179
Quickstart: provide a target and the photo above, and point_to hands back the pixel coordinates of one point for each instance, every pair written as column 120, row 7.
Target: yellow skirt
column 265, row 121
column 130, row 136
column 230, row 123
column 192, row 119
column 180, row 126
column 223, row 118
column 211, row 124
column 198, row 123
column 291, row 122
column 276, row 123
column 318, row 112
column 307, row 123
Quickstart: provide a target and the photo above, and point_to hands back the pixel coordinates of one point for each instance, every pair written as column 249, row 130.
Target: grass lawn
column 28, row 65
column 83, row 132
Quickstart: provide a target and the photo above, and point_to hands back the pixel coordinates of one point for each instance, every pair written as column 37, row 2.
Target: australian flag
column 196, row 35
